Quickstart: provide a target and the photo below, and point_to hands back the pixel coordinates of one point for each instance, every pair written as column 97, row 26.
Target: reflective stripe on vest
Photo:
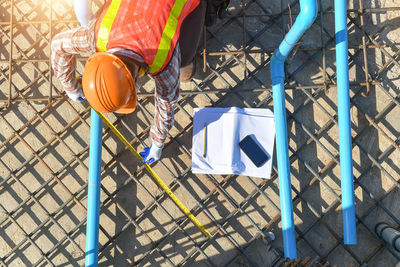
column 168, row 34
column 106, row 24
column 166, row 38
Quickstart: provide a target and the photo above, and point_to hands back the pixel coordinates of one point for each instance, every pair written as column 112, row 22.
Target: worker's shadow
column 312, row 170
column 309, row 164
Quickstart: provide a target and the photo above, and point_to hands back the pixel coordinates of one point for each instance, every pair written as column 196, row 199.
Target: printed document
column 216, row 136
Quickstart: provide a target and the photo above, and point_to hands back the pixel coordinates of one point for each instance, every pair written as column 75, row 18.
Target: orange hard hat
column 108, row 84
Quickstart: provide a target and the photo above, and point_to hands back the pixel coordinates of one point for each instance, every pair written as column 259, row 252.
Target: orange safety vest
column 150, row 28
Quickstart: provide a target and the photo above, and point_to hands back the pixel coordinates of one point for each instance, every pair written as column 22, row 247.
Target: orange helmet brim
column 128, row 107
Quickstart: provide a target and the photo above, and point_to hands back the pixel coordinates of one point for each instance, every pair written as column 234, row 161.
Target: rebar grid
column 44, row 147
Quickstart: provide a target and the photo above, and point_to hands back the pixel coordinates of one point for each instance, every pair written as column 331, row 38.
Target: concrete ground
column 44, row 147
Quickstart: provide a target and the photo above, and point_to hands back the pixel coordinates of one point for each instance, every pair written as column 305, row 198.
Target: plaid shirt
column 66, row 45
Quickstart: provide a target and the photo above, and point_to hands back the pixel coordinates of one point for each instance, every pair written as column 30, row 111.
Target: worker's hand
column 151, row 154
column 76, row 95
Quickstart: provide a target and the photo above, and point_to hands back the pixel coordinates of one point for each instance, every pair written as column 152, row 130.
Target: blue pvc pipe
column 304, row 20
column 93, row 206
column 83, row 11
column 346, row 162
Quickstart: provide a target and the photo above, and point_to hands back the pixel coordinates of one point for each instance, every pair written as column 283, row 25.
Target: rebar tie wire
column 156, row 177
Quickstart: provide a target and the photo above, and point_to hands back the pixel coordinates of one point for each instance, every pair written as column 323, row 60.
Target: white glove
column 76, row 95
column 151, row 154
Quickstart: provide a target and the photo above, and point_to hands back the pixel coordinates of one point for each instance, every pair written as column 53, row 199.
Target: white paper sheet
column 225, row 128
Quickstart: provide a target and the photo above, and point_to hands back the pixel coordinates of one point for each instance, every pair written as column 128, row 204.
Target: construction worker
column 127, row 40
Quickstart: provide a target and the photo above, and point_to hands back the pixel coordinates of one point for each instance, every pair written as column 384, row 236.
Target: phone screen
column 253, row 150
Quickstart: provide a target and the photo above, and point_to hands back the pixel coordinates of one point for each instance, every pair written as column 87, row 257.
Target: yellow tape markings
column 156, row 177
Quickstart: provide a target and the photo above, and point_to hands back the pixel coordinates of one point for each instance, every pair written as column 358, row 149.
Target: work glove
column 76, row 95
column 151, row 154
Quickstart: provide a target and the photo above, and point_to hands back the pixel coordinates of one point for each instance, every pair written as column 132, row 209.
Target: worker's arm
column 83, row 11
column 166, row 95
column 64, row 48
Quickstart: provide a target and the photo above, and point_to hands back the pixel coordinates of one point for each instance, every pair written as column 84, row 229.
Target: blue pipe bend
column 305, row 19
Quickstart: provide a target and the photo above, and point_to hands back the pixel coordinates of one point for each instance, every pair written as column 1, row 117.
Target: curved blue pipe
column 345, row 147
column 304, row 20
column 83, row 11
column 93, row 206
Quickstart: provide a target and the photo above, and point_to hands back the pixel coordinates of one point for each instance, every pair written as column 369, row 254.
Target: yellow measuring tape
column 155, row 176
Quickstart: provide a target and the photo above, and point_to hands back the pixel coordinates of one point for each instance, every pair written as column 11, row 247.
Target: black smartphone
column 253, row 150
